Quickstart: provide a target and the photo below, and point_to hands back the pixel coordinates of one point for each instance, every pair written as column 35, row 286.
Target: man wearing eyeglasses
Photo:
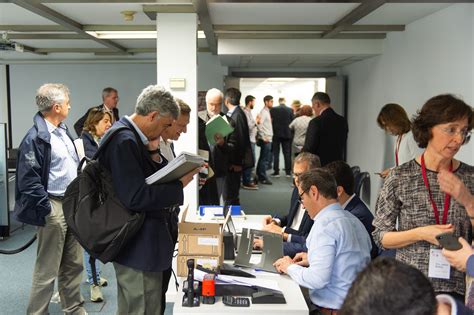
column 110, row 100
column 295, row 226
column 338, row 245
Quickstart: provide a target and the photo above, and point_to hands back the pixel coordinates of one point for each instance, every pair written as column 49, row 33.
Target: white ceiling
column 283, row 13
column 232, row 13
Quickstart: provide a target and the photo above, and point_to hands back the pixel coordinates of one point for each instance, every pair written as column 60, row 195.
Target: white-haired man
column 211, row 192
column 47, row 163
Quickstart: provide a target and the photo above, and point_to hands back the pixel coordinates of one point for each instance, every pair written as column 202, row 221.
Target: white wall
column 86, row 81
column 434, row 55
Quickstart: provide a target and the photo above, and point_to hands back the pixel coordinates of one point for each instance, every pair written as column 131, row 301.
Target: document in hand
column 176, row 168
column 217, row 124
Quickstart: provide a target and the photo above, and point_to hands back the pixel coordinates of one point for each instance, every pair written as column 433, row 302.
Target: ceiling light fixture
column 130, row 34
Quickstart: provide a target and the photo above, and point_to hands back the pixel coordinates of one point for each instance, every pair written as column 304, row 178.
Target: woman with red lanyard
column 394, row 120
column 411, row 193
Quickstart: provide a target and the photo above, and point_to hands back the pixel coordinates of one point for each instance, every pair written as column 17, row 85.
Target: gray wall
column 86, row 81
column 433, row 56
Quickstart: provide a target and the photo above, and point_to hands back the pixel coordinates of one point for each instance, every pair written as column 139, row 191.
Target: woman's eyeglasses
column 451, row 131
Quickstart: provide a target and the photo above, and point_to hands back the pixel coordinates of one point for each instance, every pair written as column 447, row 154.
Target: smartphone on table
column 448, row 241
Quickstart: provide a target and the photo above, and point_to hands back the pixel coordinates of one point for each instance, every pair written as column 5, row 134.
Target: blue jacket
column 90, row 146
column 298, row 237
column 358, row 208
column 32, row 172
column 129, row 164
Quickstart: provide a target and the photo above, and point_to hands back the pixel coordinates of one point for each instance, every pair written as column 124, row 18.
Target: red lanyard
column 399, row 139
column 447, row 198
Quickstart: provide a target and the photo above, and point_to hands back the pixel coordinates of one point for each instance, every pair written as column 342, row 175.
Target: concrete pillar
column 177, row 62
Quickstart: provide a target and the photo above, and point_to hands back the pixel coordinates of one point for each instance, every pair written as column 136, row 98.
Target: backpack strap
column 107, row 139
column 94, row 270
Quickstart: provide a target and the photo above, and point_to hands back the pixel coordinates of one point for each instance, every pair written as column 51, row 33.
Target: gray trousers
column 139, row 292
column 59, row 255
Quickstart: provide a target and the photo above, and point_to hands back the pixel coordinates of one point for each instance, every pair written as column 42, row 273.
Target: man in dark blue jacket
column 294, row 226
column 349, row 201
column 131, row 156
column 47, row 163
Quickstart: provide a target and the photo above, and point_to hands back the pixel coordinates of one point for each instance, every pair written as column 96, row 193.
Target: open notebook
column 176, row 168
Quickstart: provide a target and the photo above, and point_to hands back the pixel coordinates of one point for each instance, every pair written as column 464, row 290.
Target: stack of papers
column 177, row 168
column 248, row 282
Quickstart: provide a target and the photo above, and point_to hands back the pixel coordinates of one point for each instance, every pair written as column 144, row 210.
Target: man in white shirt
column 264, row 140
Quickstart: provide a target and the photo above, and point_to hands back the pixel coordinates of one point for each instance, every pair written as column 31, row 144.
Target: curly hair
column 440, row 109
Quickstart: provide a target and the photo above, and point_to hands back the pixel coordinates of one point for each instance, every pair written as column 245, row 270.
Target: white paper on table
column 249, row 282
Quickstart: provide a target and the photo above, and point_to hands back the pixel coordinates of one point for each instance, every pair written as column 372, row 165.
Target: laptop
column 237, row 236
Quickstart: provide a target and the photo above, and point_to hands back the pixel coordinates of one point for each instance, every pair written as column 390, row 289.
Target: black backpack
column 96, row 217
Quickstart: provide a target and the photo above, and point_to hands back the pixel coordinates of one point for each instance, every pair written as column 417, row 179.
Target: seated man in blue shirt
column 294, row 226
column 349, row 201
column 338, row 245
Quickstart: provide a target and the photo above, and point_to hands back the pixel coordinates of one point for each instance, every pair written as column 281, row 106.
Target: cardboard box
column 209, row 262
column 200, row 239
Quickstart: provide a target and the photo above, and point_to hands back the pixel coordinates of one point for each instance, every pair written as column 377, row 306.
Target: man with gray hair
column 211, row 191
column 131, row 156
column 47, row 163
column 110, row 100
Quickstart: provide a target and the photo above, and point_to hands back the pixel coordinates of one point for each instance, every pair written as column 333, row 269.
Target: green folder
column 217, row 124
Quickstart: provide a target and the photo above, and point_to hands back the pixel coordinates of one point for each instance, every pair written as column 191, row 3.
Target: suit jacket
column 208, row 192
column 237, row 145
column 80, row 122
column 358, row 208
column 129, row 163
column 298, row 237
column 327, row 136
column 281, row 119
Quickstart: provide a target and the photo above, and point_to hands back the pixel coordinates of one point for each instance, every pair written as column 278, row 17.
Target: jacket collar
column 41, row 127
column 351, row 205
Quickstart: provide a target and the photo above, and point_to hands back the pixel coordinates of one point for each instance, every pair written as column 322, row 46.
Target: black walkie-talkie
column 190, row 299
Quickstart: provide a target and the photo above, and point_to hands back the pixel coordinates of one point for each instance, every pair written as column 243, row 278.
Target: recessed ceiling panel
column 101, row 13
column 11, row 14
column 279, row 13
column 401, row 13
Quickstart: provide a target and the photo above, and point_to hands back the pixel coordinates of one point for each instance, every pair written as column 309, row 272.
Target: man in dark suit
column 211, row 192
column 236, row 146
column 327, row 133
column 294, row 226
column 349, row 201
column 130, row 157
column 109, row 104
column 281, row 119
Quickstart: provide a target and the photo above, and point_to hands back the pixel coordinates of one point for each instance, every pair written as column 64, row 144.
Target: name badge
column 439, row 267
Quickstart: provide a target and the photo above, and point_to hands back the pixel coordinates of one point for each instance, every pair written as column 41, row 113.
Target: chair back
column 362, row 187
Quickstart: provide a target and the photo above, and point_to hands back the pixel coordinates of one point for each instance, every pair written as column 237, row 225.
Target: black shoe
column 266, row 182
column 275, row 174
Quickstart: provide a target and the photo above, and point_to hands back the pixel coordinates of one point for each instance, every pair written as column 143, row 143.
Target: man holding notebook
column 131, row 156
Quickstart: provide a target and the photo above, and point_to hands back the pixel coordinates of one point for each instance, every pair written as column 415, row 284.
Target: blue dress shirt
column 338, row 248
column 64, row 160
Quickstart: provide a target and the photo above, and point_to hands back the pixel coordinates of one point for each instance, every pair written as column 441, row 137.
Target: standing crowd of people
column 330, row 236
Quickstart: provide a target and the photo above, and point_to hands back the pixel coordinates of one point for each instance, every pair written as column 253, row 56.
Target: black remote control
column 236, row 301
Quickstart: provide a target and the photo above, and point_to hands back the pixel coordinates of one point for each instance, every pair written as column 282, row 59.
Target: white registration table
column 295, row 303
